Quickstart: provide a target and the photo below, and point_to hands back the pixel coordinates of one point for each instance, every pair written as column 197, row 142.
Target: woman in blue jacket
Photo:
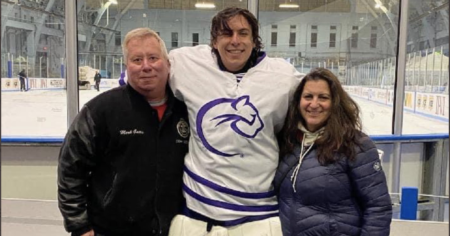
column 330, row 179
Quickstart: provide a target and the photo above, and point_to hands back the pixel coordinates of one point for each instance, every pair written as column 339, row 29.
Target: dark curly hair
column 341, row 128
column 219, row 24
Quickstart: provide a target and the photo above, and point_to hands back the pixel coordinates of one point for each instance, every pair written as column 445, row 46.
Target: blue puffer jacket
column 343, row 198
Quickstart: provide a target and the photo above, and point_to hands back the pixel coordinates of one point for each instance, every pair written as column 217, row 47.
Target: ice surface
column 43, row 113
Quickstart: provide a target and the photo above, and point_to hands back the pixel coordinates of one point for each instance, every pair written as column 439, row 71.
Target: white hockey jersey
column 233, row 151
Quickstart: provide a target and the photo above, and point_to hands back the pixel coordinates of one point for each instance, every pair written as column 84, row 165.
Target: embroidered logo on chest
column 183, row 128
column 223, row 115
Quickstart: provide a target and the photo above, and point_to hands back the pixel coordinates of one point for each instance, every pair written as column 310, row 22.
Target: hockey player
column 237, row 98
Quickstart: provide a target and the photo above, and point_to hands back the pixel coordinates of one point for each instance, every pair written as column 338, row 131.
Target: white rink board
column 432, row 104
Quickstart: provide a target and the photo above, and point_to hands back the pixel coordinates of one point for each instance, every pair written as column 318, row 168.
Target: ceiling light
column 379, row 5
column 113, row 2
column 289, row 5
column 205, row 5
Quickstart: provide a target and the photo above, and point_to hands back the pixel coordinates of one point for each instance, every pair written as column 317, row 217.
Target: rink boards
column 432, row 104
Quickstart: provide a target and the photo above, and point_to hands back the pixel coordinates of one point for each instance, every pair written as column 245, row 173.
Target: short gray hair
column 142, row 33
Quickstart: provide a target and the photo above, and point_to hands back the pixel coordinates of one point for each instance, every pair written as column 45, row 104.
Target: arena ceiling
column 265, row 5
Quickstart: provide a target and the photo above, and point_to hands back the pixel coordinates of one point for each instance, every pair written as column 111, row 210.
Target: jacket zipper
column 166, row 114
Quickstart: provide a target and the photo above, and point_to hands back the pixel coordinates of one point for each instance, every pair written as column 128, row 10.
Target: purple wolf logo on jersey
column 244, row 120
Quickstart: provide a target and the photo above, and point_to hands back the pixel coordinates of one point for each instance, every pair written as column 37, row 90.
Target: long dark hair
column 341, row 128
column 220, row 23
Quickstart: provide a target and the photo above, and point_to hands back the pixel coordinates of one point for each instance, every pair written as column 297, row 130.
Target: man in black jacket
column 121, row 163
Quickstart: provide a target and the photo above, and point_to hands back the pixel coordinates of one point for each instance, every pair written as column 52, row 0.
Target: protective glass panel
column 356, row 40
column 102, row 27
column 426, row 73
column 32, row 70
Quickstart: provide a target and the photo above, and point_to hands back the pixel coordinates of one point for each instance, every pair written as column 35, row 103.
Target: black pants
column 132, row 234
column 97, row 85
column 22, row 84
column 145, row 227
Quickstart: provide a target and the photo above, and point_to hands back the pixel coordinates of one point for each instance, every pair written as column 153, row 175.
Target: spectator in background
column 330, row 178
column 97, row 79
column 121, row 164
column 22, row 78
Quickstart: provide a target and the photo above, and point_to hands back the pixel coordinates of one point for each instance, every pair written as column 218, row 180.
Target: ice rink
column 38, row 113
column 43, row 113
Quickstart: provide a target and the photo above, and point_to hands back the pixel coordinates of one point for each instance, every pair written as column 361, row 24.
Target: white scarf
column 308, row 141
